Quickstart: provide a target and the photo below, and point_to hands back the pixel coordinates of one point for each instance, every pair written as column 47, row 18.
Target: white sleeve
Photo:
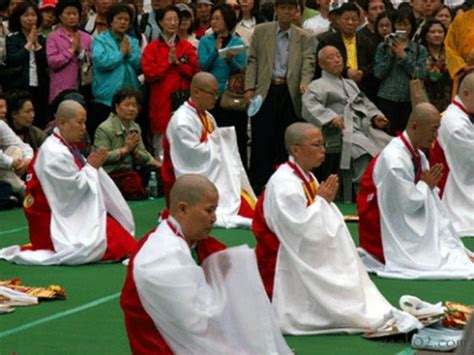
column 9, row 138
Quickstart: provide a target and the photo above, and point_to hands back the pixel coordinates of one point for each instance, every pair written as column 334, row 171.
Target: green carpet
column 90, row 320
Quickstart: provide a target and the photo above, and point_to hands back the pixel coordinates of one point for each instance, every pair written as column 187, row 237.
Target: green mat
column 90, row 320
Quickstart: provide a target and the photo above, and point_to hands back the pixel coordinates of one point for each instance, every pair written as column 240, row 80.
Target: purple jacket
column 64, row 64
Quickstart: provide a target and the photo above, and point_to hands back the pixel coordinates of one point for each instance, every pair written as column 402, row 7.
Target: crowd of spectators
column 130, row 65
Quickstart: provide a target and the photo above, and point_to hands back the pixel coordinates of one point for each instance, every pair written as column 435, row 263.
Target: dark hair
column 118, row 9
column 348, row 7
column 255, row 12
column 426, row 28
column 15, row 101
column 381, row 16
column 228, row 14
column 286, row 2
column 160, row 15
column 442, row 7
column 62, row 4
column 185, row 15
column 14, row 24
column 124, row 94
column 365, row 4
column 4, row 4
column 405, row 14
column 68, row 94
column 134, row 27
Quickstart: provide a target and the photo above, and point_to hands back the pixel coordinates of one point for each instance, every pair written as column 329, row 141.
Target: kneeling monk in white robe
column 75, row 213
column 404, row 231
column 174, row 305
column 193, row 144
column 456, row 138
column 306, row 255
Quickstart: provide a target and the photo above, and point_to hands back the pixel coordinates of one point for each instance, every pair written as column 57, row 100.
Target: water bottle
column 152, row 186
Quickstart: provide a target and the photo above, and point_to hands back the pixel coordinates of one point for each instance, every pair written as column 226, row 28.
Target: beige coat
column 301, row 61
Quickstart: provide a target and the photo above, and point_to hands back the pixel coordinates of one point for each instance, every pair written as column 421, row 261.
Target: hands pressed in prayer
column 338, row 122
column 76, row 44
column 380, row 121
column 97, row 159
column 328, row 188
column 20, row 166
column 172, row 58
column 131, row 143
column 125, row 46
column 433, row 176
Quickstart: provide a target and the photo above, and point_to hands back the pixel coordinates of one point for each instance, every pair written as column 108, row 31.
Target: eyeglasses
column 209, row 92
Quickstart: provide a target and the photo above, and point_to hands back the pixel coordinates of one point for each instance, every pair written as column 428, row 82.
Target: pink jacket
column 64, row 64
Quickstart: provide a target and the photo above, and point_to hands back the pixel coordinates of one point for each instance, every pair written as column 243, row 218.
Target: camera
column 395, row 35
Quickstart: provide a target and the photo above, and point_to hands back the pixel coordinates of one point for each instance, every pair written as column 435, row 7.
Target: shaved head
column 202, row 80
column 330, row 60
column 423, row 113
column 324, row 52
column 296, row 134
column 423, row 124
column 190, row 188
column 68, row 109
column 467, row 84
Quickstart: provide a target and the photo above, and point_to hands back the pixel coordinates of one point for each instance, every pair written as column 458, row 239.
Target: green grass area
column 90, row 320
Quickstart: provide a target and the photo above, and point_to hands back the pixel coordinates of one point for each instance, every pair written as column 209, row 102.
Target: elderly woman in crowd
column 438, row 83
column 249, row 17
column 444, row 15
column 224, row 69
column 397, row 61
column 169, row 63
column 121, row 136
column 66, row 48
column 26, row 52
column 115, row 62
column 20, row 116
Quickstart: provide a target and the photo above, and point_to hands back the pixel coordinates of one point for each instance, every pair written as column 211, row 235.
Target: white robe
column 456, row 137
column 321, row 285
column 79, row 200
column 217, row 159
column 418, row 239
column 198, row 310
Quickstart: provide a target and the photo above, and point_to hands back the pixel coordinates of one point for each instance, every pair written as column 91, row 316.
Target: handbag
column 85, row 71
column 130, row 185
column 233, row 96
column 417, row 86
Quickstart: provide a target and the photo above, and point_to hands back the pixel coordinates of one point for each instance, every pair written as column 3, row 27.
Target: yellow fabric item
column 459, row 46
column 351, row 50
column 310, row 190
column 250, row 200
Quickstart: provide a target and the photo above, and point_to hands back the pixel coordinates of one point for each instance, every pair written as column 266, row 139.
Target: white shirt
column 9, row 138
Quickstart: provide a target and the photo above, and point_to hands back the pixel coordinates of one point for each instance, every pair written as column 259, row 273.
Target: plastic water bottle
column 152, row 186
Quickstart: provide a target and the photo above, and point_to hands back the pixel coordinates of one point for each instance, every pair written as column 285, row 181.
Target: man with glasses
column 338, row 106
column 305, row 253
column 193, row 144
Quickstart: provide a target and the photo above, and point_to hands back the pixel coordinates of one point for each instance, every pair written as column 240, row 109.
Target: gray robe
column 331, row 96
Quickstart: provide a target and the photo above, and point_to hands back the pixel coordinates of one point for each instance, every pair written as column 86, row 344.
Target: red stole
column 370, row 234
column 309, row 186
column 416, row 157
column 207, row 126
column 143, row 335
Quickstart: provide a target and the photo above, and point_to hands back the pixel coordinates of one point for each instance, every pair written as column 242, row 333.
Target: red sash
column 143, row 335
column 416, row 157
column 370, row 234
column 309, row 186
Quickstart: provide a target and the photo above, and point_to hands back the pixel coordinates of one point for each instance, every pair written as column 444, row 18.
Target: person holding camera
column 397, row 61
column 168, row 64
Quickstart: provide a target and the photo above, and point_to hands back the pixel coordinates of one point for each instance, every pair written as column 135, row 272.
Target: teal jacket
column 111, row 70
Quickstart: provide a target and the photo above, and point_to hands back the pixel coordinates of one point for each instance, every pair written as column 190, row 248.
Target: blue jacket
column 221, row 68
column 109, row 66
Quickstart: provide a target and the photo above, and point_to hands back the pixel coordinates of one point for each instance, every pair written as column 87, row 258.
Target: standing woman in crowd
column 248, row 19
column 383, row 25
column 397, row 61
column 186, row 28
column 444, row 15
column 169, row 63
column 223, row 22
column 438, row 83
column 20, row 117
column 26, row 51
column 115, row 62
column 66, row 48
